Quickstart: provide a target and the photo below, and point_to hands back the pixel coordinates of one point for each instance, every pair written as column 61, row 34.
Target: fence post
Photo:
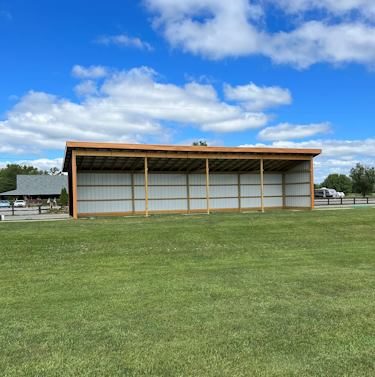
column 367, row 200
column 328, row 201
column 341, row 201
column 40, row 209
column 12, row 209
column 354, row 200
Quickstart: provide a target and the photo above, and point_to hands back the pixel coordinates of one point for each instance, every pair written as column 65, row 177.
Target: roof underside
column 105, row 156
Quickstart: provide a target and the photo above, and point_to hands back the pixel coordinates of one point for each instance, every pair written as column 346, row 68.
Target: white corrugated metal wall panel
column 223, row 203
column 198, row 204
column 297, row 177
column 104, row 206
column 250, row 202
column 139, row 205
column 197, row 179
column 223, row 191
column 167, row 179
column 250, row 190
column 167, row 205
column 139, row 179
column 273, row 178
column 303, row 166
column 297, row 201
column 273, row 202
column 197, row 191
column 250, row 178
column 105, row 179
column 110, row 192
column 297, row 189
column 223, row 179
column 139, row 192
column 155, row 192
column 273, row 190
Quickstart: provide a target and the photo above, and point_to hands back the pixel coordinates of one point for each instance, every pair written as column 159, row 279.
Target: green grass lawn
column 274, row 294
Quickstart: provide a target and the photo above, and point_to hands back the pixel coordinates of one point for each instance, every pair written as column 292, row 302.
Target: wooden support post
column 146, row 187
column 312, row 192
column 283, row 190
column 239, row 191
column 188, row 192
column 133, row 194
column 261, row 186
column 74, row 184
column 208, row 186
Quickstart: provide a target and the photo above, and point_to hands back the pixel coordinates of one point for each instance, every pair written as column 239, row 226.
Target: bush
column 64, row 198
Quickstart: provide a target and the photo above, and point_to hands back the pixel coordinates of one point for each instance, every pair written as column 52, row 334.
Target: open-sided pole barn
column 125, row 179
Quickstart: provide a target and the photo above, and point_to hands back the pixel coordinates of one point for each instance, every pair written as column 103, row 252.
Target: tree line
column 361, row 180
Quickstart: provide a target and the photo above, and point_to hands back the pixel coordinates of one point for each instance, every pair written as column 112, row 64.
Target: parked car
column 4, row 204
column 19, row 203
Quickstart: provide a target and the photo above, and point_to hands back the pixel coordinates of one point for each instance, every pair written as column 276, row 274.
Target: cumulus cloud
column 256, row 98
column 92, row 72
column 124, row 40
column 126, row 106
column 287, row 131
column 338, row 156
column 219, row 29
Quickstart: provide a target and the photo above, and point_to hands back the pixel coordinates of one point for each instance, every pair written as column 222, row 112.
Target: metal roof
column 113, row 156
column 39, row 185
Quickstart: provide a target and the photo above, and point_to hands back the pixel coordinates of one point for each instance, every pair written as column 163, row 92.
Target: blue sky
column 289, row 73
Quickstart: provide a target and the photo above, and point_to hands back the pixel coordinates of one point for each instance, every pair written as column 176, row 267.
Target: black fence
column 344, row 201
column 22, row 211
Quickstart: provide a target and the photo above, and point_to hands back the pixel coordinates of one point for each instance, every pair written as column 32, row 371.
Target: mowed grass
column 274, row 294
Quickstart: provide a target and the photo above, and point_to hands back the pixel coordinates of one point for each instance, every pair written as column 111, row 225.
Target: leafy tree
column 8, row 175
column 200, row 143
column 363, row 178
column 64, row 198
column 54, row 171
column 339, row 182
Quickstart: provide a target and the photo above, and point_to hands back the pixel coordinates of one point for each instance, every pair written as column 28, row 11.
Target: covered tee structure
column 126, row 179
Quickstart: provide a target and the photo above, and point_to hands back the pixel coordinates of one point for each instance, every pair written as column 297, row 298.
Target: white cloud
column 338, row 156
column 124, row 40
column 92, row 72
column 219, row 29
column 128, row 106
column 85, row 88
column 256, row 98
column 366, row 8
column 287, row 131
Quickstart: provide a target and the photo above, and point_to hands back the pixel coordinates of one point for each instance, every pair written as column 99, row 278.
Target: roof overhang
column 113, row 156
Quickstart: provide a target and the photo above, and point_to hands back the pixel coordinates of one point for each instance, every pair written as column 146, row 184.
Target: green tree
column 339, row 182
column 200, row 143
column 64, row 198
column 8, row 175
column 363, row 178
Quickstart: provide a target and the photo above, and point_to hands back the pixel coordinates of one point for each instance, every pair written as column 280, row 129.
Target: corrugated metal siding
column 297, row 188
column 250, row 203
column 250, row 178
column 104, row 206
column 104, row 192
column 297, row 201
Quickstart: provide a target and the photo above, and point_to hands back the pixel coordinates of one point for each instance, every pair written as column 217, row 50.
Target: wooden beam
column 261, row 185
column 208, row 186
column 239, row 190
column 188, row 192
column 283, row 189
column 74, row 184
column 312, row 191
column 132, row 188
column 146, row 187
column 179, row 155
